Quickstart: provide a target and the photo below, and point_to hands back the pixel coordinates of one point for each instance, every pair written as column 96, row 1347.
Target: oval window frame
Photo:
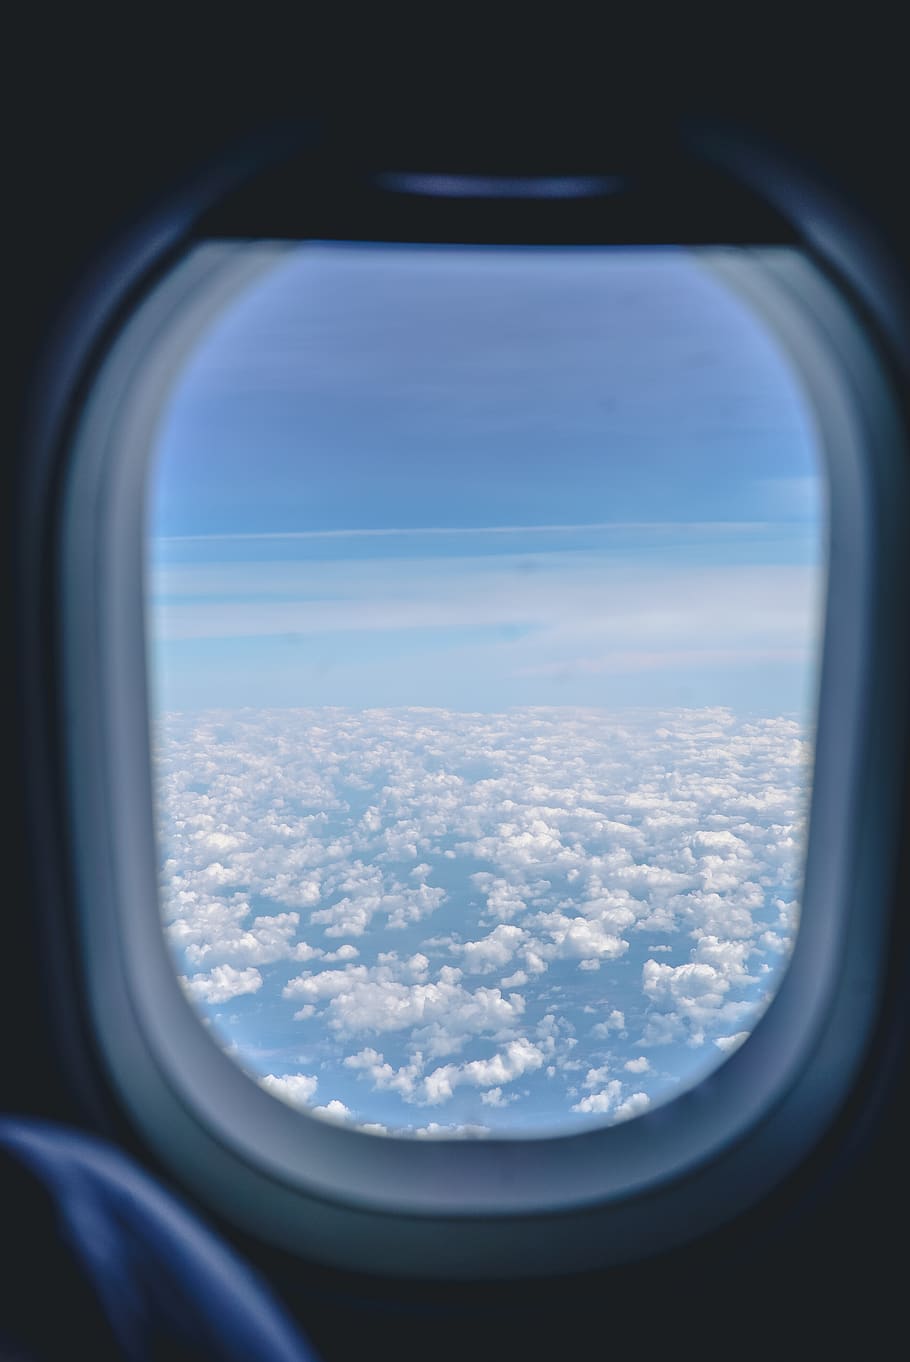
column 602, row 1196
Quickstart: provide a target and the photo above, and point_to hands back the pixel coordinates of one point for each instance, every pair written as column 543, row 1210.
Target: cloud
column 494, row 913
column 634, row 1105
column 296, row 1089
column 641, row 1065
column 655, row 615
column 730, row 1043
column 492, row 952
column 616, row 1021
column 479, row 531
column 518, row 1058
column 345, row 952
column 434, row 1131
column 334, row 1111
column 369, row 895
column 396, row 995
column 601, row 1101
column 503, row 901
column 432, row 1088
column 222, row 983
column 581, row 938
column 372, row 1065
column 696, row 993
column 495, row 1097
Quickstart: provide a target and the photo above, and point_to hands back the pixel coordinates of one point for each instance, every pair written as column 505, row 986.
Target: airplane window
column 484, row 593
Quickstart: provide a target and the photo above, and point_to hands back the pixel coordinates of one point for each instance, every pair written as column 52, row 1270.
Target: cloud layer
column 456, row 923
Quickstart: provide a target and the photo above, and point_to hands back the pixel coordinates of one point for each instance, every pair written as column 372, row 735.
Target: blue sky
column 484, row 609
column 477, row 478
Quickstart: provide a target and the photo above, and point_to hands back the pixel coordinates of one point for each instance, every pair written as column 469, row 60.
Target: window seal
column 356, row 1200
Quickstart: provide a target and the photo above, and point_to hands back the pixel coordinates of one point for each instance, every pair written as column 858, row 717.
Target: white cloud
column 600, row 1101
column 694, row 995
column 222, row 983
column 372, row 1065
column 295, row 1089
column 606, row 883
column 634, row 1105
column 503, row 901
column 616, row 1021
column 518, row 1058
column 399, row 904
column 581, row 938
column 641, row 1065
column 334, row 1111
column 397, row 996
column 492, row 952
column 495, row 1097
column 730, row 1043
column 328, row 983
column 345, row 952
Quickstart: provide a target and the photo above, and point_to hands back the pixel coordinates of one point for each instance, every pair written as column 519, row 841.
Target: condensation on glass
column 484, row 596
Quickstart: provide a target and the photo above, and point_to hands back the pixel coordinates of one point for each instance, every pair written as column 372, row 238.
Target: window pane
column 484, row 611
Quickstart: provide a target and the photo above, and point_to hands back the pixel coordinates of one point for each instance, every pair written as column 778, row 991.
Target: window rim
column 322, row 1224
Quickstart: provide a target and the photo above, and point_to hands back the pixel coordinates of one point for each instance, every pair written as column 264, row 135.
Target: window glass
column 484, row 598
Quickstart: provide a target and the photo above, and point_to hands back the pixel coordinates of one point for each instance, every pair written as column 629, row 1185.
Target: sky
column 484, row 605
column 478, row 478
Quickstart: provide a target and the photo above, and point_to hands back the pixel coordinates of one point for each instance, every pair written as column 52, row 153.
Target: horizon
column 484, row 604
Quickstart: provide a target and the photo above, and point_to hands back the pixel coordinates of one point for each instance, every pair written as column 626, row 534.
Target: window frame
column 497, row 1207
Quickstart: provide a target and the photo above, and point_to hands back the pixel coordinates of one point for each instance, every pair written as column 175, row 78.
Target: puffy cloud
column 481, row 908
column 214, row 930
column 492, row 952
column 502, row 899
column 296, row 1089
column 519, row 1057
column 641, row 1065
column 434, row 1131
column 222, row 983
column 606, row 1103
column 634, row 1105
column 616, row 1021
column 495, row 1097
column 371, row 1064
column 399, row 904
column 600, row 1101
column 334, row 1111
column 329, row 983
column 580, row 937
column 397, row 995
column 595, row 1078
column 730, row 1043
column 345, row 952
column 695, row 994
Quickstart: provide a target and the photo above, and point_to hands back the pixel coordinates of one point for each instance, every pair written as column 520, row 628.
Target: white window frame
column 496, row 1207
